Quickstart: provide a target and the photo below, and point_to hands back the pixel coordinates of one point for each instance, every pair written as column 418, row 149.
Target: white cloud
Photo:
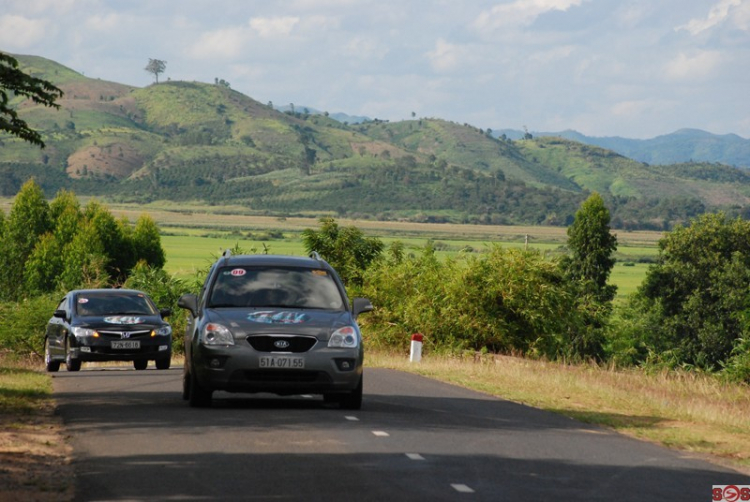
column 520, row 13
column 716, row 16
column 446, row 56
column 105, row 22
column 365, row 48
column 268, row 27
column 698, row 66
column 50, row 6
column 224, row 44
column 18, row 32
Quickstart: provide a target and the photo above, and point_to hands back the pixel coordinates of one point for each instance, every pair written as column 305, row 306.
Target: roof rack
column 315, row 256
column 227, row 253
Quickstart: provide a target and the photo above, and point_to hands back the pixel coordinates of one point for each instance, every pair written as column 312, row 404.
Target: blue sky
column 632, row 68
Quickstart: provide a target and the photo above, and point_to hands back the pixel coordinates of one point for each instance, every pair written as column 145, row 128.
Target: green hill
column 196, row 141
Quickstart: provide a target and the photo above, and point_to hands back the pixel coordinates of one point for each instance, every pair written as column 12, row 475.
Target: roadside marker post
column 415, row 355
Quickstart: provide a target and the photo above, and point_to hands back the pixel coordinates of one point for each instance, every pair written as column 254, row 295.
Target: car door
column 57, row 329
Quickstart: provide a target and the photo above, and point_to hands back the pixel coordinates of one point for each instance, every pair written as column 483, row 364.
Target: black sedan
column 107, row 325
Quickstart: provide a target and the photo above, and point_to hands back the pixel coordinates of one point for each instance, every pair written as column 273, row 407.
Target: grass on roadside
column 22, row 390
column 33, row 452
column 685, row 411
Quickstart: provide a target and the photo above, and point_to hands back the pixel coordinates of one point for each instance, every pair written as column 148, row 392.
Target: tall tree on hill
column 591, row 245
column 156, row 66
column 16, row 82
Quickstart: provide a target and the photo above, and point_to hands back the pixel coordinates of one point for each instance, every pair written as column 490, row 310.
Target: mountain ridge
column 197, row 141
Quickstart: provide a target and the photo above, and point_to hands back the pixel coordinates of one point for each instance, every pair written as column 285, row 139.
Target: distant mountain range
column 193, row 141
column 685, row 145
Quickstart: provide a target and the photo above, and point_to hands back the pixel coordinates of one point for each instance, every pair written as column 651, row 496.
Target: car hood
column 122, row 322
column 318, row 323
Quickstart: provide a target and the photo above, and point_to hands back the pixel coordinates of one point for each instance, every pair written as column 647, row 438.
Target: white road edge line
column 351, row 418
column 415, row 456
column 381, row 434
column 462, row 488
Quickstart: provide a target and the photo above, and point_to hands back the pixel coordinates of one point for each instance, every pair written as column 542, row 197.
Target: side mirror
column 165, row 312
column 60, row 314
column 360, row 305
column 190, row 302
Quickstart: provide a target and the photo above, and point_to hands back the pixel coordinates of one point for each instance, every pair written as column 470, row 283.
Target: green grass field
column 187, row 254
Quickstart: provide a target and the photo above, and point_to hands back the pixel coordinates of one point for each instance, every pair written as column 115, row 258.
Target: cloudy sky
column 632, row 68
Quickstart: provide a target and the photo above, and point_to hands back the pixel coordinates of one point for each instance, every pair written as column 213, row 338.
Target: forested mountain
column 685, row 145
column 195, row 141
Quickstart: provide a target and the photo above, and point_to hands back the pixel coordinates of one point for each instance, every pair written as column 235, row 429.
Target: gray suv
column 278, row 324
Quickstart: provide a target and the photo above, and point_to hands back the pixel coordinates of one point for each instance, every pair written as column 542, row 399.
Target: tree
column 147, row 242
column 27, row 221
column 13, row 80
column 591, row 245
column 156, row 66
column 698, row 290
column 346, row 249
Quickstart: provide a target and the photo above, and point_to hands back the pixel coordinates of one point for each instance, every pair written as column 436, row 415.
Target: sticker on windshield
column 123, row 319
column 321, row 273
column 274, row 317
column 238, row 272
column 83, row 300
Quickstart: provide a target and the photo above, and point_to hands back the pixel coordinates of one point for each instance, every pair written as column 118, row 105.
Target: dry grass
column 34, row 456
column 685, row 411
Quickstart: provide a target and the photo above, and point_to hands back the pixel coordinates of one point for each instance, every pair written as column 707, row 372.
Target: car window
column 277, row 287
column 101, row 304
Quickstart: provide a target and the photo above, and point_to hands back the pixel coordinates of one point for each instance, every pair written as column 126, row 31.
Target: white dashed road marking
column 415, row 456
column 352, row 419
column 462, row 488
column 381, row 434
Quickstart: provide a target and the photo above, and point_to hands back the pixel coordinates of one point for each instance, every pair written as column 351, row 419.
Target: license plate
column 282, row 362
column 126, row 344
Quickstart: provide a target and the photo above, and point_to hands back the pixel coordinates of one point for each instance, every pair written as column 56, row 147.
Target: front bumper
column 149, row 350
column 238, row 369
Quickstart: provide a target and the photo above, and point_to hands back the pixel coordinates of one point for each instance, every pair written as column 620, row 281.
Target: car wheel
column 353, row 400
column 51, row 365
column 199, row 397
column 140, row 364
column 71, row 363
column 163, row 364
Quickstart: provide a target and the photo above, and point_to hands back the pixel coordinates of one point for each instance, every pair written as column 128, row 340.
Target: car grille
column 118, row 335
column 265, row 343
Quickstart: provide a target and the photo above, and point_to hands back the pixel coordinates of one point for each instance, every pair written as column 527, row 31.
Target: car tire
column 353, row 400
column 199, row 397
column 52, row 366
column 70, row 363
column 164, row 363
column 140, row 364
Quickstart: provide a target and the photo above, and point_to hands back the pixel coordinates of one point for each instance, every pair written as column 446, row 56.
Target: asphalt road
column 414, row 439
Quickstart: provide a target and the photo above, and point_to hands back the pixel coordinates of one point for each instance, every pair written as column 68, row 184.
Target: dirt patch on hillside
column 119, row 160
column 35, row 459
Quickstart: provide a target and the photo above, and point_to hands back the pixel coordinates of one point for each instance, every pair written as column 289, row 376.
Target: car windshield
column 276, row 287
column 103, row 304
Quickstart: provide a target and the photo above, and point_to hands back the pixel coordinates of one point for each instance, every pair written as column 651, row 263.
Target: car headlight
column 81, row 332
column 216, row 334
column 163, row 331
column 345, row 338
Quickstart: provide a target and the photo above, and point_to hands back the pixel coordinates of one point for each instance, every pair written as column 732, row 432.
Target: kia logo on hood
column 281, row 344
